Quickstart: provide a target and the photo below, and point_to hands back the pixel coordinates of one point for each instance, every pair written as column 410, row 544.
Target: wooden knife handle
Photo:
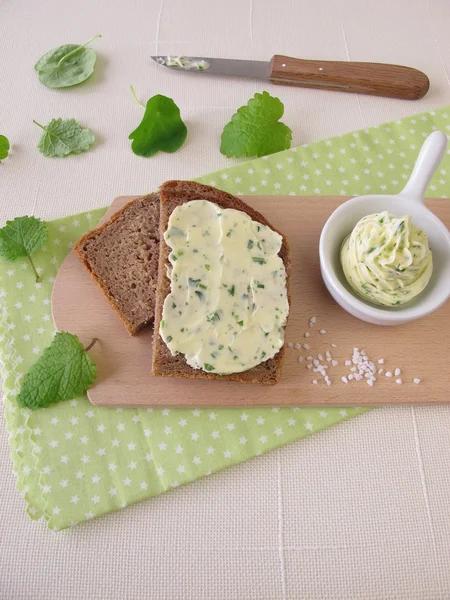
column 376, row 79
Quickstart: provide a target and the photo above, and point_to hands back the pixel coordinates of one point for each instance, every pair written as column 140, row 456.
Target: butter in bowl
column 386, row 259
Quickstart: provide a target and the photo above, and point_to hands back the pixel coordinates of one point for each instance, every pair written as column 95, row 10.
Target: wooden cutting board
column 420, row 349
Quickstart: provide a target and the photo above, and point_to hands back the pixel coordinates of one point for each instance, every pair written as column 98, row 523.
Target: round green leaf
column 66, row 65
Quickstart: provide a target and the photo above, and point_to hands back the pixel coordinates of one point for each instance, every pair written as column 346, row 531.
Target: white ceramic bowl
column 408, row 202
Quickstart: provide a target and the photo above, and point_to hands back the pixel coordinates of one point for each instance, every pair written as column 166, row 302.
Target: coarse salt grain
column 320, row 357
column 399, row 381
column 316, row 362
column 350, row 377
column 306, row 333
column 328, row 354
column 416, row 380
column 299, row 359
column 397, row 372
column 309, row 366
column 334, row 363
column 380, row 371
column 306, row 346
column 370, row 382
column 388, row 374
column 314, row 381
column 313, row 320
column 297, row 346
column 328, row 358
column 353, row 369
column 344, row 379
column 348, row 363
column 328, row 382
column 309, row 358
column 322, row 331
column 333, row 346
column 381, row 361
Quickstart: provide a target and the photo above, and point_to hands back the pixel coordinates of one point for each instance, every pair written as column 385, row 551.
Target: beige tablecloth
column 359, row 511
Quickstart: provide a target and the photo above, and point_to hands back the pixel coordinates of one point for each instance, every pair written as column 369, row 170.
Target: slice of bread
column 122, row 258
column 173, row 194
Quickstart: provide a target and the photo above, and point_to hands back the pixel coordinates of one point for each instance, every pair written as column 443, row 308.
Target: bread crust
column 132, row 326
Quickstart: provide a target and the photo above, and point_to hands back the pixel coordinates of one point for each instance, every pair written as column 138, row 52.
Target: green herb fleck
column 231, row 290
column 260, row 285
column 208, row 267
column 199, row 294
column 241, row 323
column 209, row 367
column 259, row 260
column 221, row 347
column 250, row 244
column 203, row 287
column 169, row 339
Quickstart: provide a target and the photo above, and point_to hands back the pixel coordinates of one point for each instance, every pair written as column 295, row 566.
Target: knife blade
column 377, row 79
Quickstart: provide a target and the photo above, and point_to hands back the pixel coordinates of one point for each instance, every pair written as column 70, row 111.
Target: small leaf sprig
column 67, row 65
column 255, row 129
column 21, row 237
column 161, row 129
column 62, row 372
column 64, row 136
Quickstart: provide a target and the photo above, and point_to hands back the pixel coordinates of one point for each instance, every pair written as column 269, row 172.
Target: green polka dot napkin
column 75, row 461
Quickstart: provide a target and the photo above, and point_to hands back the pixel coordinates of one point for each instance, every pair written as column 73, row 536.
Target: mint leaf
column 161, row 128
column 63, row 371
column 21, row 237
column 255, row 130
column 64, row 136
column 4, row 147
column 66, row 65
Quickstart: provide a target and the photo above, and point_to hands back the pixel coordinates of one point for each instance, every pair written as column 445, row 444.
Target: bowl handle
column 430, row 155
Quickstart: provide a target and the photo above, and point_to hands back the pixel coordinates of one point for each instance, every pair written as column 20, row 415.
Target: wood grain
column 375, row 79
column 420, row 348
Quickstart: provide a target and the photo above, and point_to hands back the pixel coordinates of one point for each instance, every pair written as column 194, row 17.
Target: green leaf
column 161, row 128
column 64, row 136
column 63, row 371
column 66, row 65
column 255, row 130
column 4, row 147
column 21, row 237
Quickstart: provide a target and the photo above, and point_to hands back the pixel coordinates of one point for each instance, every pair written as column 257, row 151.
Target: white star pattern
column 111, row 441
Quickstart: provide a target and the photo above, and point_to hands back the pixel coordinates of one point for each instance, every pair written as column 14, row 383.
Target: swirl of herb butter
column 386, row 259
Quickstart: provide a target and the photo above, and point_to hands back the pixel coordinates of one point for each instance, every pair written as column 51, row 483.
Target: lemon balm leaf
column 62, row 372
column 4, row 147
column 21, row 237
column 64, row 136
column 161, row 129
column 66, row 65
column 255, row 129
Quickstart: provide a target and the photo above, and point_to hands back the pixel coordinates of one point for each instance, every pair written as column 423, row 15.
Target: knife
column 376, row 79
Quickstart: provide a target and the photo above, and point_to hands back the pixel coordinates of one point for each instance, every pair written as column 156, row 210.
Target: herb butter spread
column 228, row 302
column 386, row 259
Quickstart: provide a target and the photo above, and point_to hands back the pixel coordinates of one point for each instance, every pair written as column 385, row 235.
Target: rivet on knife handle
column 376, row 79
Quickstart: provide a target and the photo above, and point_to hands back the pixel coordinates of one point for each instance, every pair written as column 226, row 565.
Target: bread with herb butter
column 122, row 257
column 172, row 195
